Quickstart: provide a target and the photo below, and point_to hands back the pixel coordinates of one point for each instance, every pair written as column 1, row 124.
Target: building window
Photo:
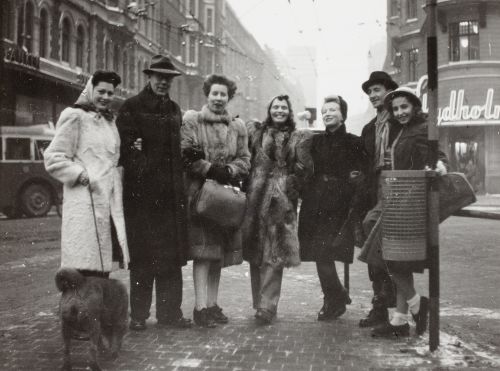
column 28, row 28
column 168, row 31
column 44, row 33
column 80, row 45
column 139, row 75
column 192, row 8
column 411, row 9
column 210, row 60
column 7, row 20
column 66, row 38
column 412, row 64
column 107, row 55
column 209, row 19
column 394, row 11
column 20, row 26
column 464, row 41
column 192, row 50
column 125, row 70
column 116, row 59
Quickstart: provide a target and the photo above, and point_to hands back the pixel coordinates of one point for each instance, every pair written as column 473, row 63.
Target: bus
column 25, row 186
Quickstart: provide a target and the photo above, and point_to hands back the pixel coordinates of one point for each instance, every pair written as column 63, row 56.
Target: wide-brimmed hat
column 402, row 92
column 163, row 65
column 379, row 77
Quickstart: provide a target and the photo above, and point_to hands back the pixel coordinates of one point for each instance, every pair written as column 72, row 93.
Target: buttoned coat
column 223, row 140
column 86, row 141
column 154, row 200
column 327, row 197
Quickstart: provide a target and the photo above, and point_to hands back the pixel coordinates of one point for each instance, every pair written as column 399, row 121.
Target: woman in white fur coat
column 84, row 155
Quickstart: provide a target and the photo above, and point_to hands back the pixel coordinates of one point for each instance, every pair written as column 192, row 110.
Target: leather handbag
column 224, row 205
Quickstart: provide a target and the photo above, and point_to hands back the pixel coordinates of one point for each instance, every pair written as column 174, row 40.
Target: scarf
column 212, row 117
column 381, row 138
column 85, row 102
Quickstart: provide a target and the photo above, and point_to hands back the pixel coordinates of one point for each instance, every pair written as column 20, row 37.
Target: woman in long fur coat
column 84, row 156
column 214, row 146
column 280, row 159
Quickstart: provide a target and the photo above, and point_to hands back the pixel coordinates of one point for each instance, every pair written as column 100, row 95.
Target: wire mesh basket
column 404, row 219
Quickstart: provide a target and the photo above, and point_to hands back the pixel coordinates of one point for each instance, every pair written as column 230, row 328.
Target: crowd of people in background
column 130, row 182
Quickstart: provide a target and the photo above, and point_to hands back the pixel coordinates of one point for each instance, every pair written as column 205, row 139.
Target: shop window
column 412, row 64
column 80, row 45
column 17, row 149
column 394, row 8
column 44, row 33
column 411, row 9
column 66, row 39
column 464, row 41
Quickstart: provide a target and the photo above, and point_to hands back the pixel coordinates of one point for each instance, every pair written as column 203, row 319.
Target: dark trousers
column 168, row 282
column 329, row 280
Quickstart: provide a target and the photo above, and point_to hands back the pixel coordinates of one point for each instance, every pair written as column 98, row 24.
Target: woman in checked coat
column 280, row 159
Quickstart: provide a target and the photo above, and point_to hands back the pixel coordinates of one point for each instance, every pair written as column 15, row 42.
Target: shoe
column 421, row 317
column 137, row 325
column 180, row 323
column 216, row 313
column 334, row 309
column 386, row 330
column 203, row 319
column 375, row 317
column 264, row 316
column 80, row 336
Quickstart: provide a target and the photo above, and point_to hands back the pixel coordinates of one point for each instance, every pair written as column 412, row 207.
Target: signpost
column 433, row 136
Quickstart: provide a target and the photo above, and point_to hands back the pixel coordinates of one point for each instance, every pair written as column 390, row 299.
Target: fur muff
column 270, row 226
column 95, row 306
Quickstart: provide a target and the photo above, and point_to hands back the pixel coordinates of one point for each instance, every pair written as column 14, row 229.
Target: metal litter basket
column 404, row 219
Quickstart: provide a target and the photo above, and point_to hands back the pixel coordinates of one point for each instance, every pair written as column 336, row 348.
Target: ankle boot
column 203, row 319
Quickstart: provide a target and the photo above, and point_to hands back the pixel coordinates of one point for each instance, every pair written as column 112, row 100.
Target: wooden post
column 433, row 210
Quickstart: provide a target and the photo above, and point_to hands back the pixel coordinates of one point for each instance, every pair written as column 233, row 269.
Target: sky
column 343, row 32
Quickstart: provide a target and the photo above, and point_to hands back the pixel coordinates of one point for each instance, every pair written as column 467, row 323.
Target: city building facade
column 51, row 47
column 469, row 78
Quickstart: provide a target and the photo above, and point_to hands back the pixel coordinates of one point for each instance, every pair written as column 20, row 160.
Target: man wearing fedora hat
column 154, row 204
column 377, row 136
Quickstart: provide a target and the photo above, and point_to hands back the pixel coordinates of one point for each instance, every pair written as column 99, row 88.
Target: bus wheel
column 36, row 200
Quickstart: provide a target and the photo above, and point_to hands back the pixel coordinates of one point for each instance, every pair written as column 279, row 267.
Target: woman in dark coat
column 409, row 151
column 280, row 158
column 338, row 157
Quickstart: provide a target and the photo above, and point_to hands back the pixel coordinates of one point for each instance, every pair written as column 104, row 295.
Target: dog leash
column 95, row 225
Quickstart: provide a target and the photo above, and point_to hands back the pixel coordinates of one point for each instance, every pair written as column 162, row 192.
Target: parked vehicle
column 25, row 187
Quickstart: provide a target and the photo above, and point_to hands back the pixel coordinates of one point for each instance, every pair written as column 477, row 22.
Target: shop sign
column 18, row 55
column 457, row 112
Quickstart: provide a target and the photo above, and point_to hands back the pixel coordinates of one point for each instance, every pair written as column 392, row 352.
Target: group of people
column 130, row 182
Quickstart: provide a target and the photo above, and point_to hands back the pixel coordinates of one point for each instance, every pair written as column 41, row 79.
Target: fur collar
column 212, row 117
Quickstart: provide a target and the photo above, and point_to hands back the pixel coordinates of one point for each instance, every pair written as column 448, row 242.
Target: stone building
column 468, row 36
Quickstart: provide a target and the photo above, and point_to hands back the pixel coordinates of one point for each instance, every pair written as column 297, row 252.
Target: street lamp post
column 433, row 212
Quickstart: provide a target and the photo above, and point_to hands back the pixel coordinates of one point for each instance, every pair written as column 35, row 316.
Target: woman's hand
column 219, row 173
column 83, row 178
column 138, row 144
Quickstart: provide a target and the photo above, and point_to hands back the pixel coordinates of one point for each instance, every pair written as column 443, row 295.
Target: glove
column 193, row 154
column 219, row 173
column 292, row 188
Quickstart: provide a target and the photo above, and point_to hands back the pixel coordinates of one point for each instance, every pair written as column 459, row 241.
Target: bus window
column 18, row 149
column 40, row 147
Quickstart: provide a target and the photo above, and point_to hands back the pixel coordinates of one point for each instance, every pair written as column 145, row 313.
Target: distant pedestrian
column 338, row 158
column 279, row 165
column 409, row 151
column 155, row 210
column 84, row 156
column 214, row 145
column 376, row 136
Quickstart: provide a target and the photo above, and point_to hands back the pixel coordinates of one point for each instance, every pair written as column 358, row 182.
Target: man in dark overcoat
column 377, row 137
column 154, row 204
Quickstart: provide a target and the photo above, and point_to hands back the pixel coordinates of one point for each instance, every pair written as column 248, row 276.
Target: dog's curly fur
column 95, row 306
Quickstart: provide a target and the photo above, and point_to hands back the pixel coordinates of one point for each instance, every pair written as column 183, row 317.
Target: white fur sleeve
column 59, row 156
